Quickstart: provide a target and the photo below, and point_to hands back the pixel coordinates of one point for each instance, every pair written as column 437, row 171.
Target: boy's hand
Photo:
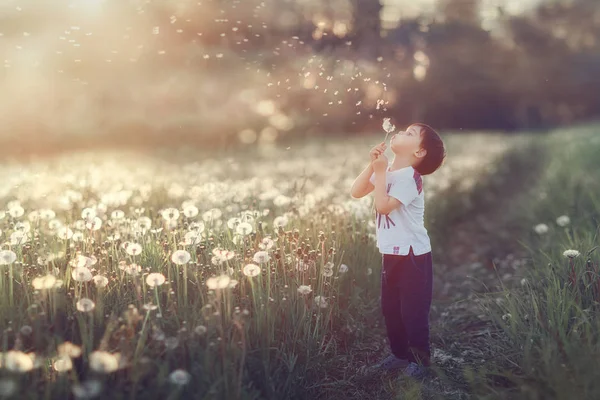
column 377, row 150
column 380, row 164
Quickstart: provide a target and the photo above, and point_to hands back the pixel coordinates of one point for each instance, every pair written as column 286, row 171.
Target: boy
column 407, row 265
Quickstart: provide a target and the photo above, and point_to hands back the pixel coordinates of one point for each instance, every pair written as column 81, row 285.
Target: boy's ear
column 421, row 153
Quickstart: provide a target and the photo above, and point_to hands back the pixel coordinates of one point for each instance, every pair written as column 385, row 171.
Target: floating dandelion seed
column 304, row 289
column 540, row 229
column 134, row 249
column 179, row 377
column 7, row 257
column 181, row 257
column 155, row 279
column 218, row 282
column 563, row 220
column 571, row 253
column 44, row 282
column 85, row 305
column 261, row 257
column 87, row 389
column 104, row 362
column 81, row 274
column 251, row 270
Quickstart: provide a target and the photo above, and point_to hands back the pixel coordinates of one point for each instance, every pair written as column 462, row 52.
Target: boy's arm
column 384, row 203
column 361, row 186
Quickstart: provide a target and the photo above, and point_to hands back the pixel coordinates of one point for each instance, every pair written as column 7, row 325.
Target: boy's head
column 423, row 145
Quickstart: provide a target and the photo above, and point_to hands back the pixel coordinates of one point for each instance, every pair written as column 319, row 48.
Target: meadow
column 252, row 273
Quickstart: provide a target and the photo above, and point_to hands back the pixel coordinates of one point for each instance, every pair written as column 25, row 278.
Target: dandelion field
column 249, row 275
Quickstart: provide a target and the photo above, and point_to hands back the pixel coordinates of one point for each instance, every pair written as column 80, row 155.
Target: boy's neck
column 400, row 162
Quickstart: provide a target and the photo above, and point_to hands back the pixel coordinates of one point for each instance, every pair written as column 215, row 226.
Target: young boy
column 407, row 265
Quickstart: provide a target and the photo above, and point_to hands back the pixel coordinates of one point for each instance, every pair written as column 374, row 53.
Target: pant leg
column 416, row 289
column 391, row 305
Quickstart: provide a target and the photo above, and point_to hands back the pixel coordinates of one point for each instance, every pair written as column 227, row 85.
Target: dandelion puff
column 190, row 211
column 81, row 274
column 69, row 349
column 155, row 279
column 77, row 236
column 94, row 224
column 244, row 229
column 563, row 220
column 133, row 269
column 304, row 289
column 261, row 257
column 26, row 330
column 541, row 229
column 170, row 214
column 232, row 283
column 212, row 215
column 16, row 211
column 218, row 282
column 100, row 281
column 64, row 233
column 85, row 305
column 343, row 268
column 192, row 238
column 524, row 282
column 571, row 253
column 507, row 316
column 369, row 271
column 233, row 222
column 104, row 362
column 321, row 301
column 88, row 214
column 280, row 221
column 19, row 238
column 171, row 343
column 251, row 270
column 200, row 330
column 388, row 127
column 134, row 249
column 117, row 215
column 87, row 389
column 62, row 364
column 17, row 361
column 217, row 260
column 8, row 387
column 44, row 282
column 266, row 244
column 179, row 377
column 181, row 257
column 197, row 226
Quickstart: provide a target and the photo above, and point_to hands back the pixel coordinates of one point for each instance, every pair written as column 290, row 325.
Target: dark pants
column 406, row 293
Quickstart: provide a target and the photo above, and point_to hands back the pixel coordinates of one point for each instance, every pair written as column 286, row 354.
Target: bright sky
column 394, row 9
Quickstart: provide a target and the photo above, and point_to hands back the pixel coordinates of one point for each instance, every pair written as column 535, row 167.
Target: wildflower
column 17, row 361
column 321, row 301
column 134, row 249
column 218, row 282
column 69, row 349
column 200, row 330
column 571, row 253
column 44, row 282
column 179, row 377
column 62, row 364
column 304, row 289
column 540, row 229
column 563, row 220
column 261, row 257
column 64, row 233
column 155, row 279
column 85, row 305
column 105, row 362
column 81, row 274
column 244, row 229
column 251, row 270
column 180, row 257
column 170, row 214
column 87, row 389
column 100, row 281
column 343, row 268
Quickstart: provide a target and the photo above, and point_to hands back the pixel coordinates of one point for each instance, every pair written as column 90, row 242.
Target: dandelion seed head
column 251, row 270
column 85, row 305
column 179, row 377
column 571, row 253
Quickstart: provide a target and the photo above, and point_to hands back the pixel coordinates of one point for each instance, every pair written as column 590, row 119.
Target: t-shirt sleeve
column 404, row 189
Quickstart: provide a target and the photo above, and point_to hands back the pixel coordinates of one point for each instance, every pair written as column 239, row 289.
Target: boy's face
column 408, row 142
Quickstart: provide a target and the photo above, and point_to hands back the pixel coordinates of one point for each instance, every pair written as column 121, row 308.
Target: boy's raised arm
column 361, row 186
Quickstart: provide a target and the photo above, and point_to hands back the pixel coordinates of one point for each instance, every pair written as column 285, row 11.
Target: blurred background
column 213, row 73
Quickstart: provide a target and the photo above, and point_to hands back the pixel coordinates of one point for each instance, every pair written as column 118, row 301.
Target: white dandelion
column 19, row 362
column 16, row 211
column 85, row 305
column 100, row 281
column 192, row 238
column 190, row 211
column 69, row 349
column 88, row 214
column 64, row 232
column 343, row 268
column 200, row 330
column 541, row 229
column 170, row 214
column 81, row 274
column 134, row 249
column 304, row 289
column 321, row 301
column 280, row 221
column 563, row 220
column 155, row 279
column 94, row 224
column 104, row 362
column 244, row 229
column 44, row 282
column 19, row 238
column 251, row 270
column 7, row 257
column 261, row 257
column 62, row 364
column 571, row 253
column 266, row 243
column 181, row 257
column 117, row 215
column 179, row 377
column 218, row 282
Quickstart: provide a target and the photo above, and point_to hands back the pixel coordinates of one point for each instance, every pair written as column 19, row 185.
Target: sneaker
column 415, row 370
column 392, row 362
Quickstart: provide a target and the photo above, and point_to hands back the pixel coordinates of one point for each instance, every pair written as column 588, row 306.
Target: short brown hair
column 436, row 152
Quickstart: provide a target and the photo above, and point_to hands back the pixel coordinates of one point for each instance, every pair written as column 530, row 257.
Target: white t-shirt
column 404, row 226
